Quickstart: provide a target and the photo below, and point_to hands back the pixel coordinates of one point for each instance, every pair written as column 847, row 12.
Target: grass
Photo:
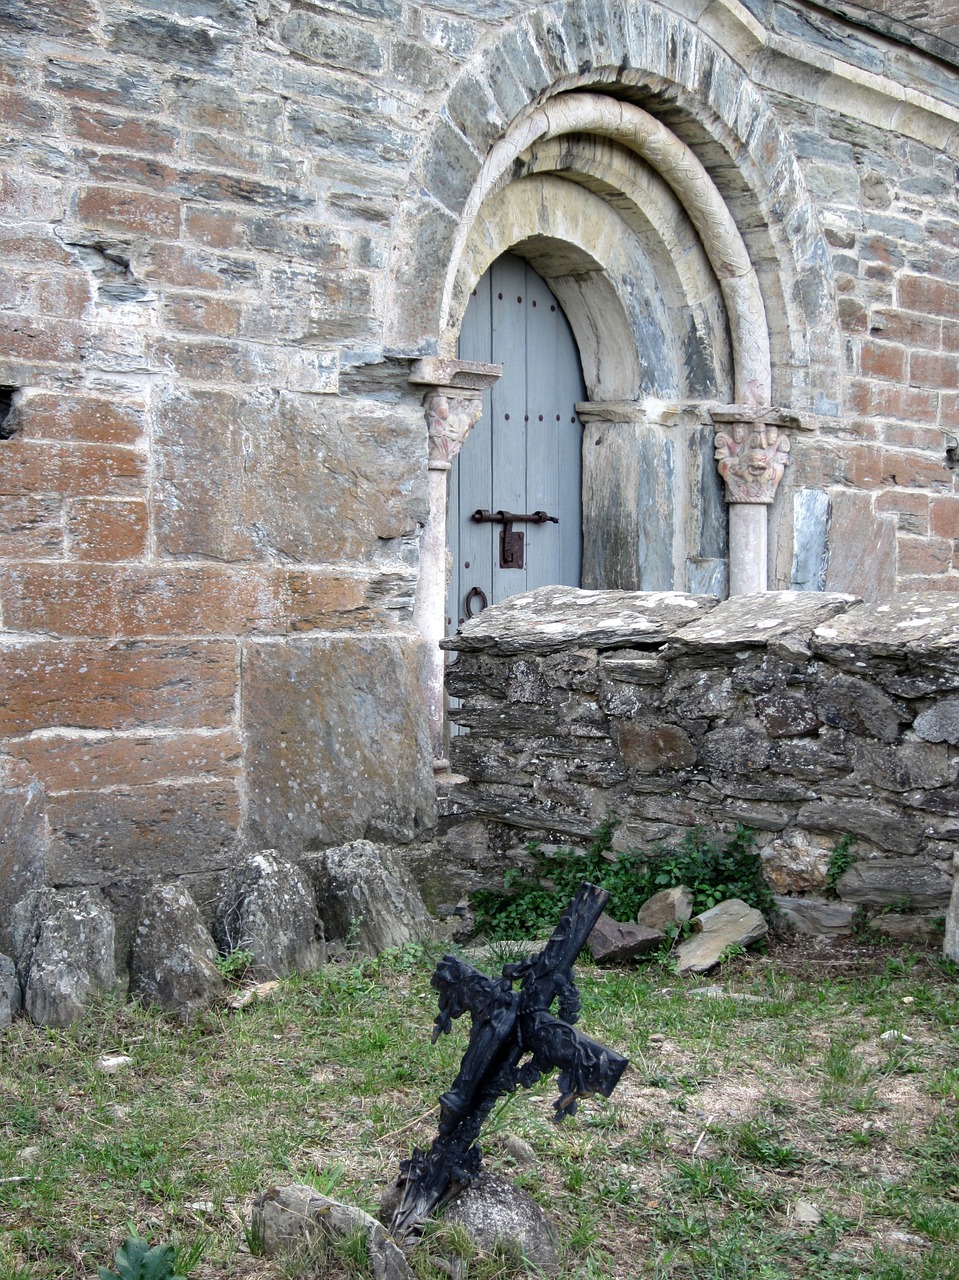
column 732, row 1112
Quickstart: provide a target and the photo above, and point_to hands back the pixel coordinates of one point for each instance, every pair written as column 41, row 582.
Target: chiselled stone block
column 260, row 476
column 323, row 743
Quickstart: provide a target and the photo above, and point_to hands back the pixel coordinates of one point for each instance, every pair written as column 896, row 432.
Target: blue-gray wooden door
column 525, row 453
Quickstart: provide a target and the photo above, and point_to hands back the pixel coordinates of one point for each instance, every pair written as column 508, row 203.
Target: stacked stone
column 807, row 718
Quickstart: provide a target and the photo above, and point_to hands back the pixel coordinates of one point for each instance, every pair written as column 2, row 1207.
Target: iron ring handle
column 474, row 594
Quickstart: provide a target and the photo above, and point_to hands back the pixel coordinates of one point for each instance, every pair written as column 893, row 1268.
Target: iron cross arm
column 514, row 1040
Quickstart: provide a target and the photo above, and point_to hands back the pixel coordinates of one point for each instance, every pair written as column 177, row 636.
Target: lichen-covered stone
column 367, row 897
column 11, row 997
column 552, row 618
column 64, row 952
column 173, row 957
column 498, row 1213
column 267, row 907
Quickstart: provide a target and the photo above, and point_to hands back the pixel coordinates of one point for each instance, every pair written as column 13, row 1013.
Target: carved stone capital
column 450, row 417
column 752, row 452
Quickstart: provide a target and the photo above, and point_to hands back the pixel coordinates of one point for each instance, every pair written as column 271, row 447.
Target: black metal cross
column 513, row 1041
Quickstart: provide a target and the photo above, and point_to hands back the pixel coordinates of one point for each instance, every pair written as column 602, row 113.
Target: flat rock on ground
column 731, row 923
column 10, row 999
column 614, row 943
column 286, row 1218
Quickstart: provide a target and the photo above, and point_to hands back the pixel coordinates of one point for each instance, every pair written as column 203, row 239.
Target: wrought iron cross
column 514, row 1040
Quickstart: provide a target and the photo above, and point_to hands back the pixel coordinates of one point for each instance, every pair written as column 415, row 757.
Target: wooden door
column 525, row 453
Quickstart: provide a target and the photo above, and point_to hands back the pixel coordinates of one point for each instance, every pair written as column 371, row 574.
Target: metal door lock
column 512, row 543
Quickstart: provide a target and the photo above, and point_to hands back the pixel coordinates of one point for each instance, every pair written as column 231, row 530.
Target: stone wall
column 807, row 718
column 226, row 229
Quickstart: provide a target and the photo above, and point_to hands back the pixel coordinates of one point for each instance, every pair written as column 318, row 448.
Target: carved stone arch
column 682, row 75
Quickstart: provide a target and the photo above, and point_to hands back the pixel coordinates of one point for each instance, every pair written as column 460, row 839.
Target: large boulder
column 63, row 942
column 730, row 924
column 10, row 995
column 368, row 898
column 268, row 909
column 288, row 1218
column 173, row 957
column 821, row 917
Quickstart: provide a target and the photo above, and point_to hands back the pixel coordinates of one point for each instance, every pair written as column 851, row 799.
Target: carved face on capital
column 752, row 460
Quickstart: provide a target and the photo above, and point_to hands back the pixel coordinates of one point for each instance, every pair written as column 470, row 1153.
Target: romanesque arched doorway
column 524, row 456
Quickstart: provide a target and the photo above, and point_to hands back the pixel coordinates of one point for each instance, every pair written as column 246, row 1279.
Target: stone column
column 453, row 404
column 752, row 451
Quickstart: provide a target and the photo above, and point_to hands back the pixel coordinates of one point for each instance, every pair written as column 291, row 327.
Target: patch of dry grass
column 802, row 1122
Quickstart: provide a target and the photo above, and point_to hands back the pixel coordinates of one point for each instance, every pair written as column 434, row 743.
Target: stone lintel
column 454, row 376
column 655, row 413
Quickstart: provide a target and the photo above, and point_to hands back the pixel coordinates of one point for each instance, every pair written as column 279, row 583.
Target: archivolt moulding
column 641, row 133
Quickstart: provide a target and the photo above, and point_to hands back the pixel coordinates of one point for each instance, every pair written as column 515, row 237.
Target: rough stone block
column 106, row 531
column 743, row 621
column 268, row 908
column 881, row 881
column 613, row 942
column 91, row 419
column 63, row 948
column 322, row 742
column 551, row 618
column 173, row 958
column 71, row 763
column 668, row 907
column 260, row 476
column 796, row 862
column 367, row 897
column 30, row 527
column 855, row 705
column 820, row 917
column 939, row 723
column 651, row 748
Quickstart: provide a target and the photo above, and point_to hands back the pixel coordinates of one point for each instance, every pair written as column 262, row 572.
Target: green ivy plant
column 135, row 1260
column 528, row 904
column 840, row 860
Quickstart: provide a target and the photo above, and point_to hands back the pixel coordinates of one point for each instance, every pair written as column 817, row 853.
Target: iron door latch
column 512, row 543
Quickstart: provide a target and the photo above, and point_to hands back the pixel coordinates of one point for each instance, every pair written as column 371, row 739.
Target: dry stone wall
column 815, row 720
